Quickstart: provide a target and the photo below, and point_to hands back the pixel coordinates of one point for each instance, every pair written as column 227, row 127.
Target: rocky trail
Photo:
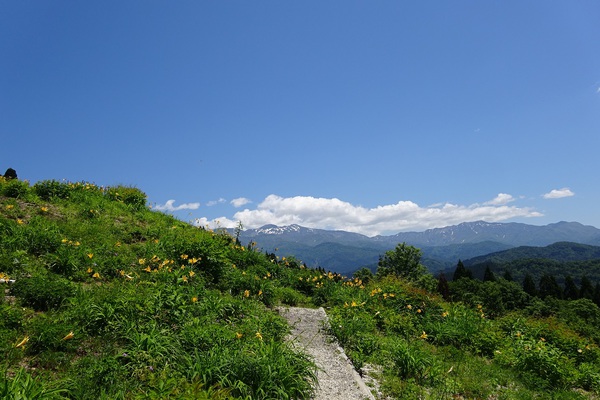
column 337, row 379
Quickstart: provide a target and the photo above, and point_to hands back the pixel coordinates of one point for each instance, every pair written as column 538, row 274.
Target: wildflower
column 419, row 311
column 409, row 307
column 20, row 221
column 44, row 209
column 246, row 293
column 260, row 292
column 423, row 335
column 542, row 339
column 90, row 255
column 194, row 299
column 184, row 278
column 579, row 351
column 22, row 342
column 118, row 244
column 238, row 335
column 142, row 261
column 64, row 240
column 128, row 277
column 147, row 269
column 518, row 334
column 96, row 275
column 89, row 270
column 354, row 304
column 184, row 256
column 77, row 244
column 445, row 314
column 155, row 240
column 70, row 335
column 9, row 207
column 192, row 273
column 258, row 336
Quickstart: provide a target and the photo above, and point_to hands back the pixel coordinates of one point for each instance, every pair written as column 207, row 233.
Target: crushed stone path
column 337, row 379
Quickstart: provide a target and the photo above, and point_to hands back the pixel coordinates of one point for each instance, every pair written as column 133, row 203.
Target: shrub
column 43, row 293
column 131, row 196
column 49, row 189
column 15, row 188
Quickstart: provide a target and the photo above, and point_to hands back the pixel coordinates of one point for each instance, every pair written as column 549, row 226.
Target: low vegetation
column 106, row 299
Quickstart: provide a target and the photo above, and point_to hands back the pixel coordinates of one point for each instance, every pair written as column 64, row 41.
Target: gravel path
column 337, row 379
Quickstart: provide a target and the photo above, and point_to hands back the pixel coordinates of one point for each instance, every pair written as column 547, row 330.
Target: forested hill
column 559, row 260
column 560, row 251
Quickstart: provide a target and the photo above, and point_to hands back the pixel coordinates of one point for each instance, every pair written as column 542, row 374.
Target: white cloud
column 501, row 199
column 558, row 193
column 168, row 206
column 215, row 202
column 240, row 201
column 336, row 214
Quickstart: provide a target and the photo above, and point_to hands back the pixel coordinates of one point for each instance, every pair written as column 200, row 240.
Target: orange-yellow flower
column 70, row 335
column 259, row 336
column 22, row 342
column 194, row 299
column 192, row 273
column 90, row 255
column 142, row 261
column 423, row 335
column 96, row 275
column 89, row 270
column 246, row 293
column 238, row 335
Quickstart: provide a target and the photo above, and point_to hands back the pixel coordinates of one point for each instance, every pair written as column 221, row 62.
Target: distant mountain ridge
column 345, row 252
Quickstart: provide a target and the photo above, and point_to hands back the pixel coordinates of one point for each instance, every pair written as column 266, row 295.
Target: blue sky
column 373, row 117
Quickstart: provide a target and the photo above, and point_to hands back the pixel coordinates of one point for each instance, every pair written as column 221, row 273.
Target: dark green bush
column 46, row 190
column 15, row 188
column 43, row 293
column 128, row 195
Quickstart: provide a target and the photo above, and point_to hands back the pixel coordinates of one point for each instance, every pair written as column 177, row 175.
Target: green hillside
column 106, row 299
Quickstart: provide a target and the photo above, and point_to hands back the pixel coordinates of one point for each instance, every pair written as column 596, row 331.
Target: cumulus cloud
column 215, row 202
column 326, row 213
column 240, row 201
column 558, row 193
column 168, row 206
column 502, row 198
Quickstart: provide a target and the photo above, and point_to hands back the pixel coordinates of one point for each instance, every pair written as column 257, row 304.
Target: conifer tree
column 488, row 276
column 587, row 290
column 461, row 272
column 597, row 294
column 549, row 287
column 529, row 285
column 571, row 291
column 442, row 286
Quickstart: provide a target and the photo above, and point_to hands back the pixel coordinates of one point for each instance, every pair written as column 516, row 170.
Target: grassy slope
column 113, row 300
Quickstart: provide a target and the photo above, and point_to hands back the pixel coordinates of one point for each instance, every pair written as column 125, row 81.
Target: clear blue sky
column 375, row 117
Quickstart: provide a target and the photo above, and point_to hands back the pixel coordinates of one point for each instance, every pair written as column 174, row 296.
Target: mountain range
column 346, row 252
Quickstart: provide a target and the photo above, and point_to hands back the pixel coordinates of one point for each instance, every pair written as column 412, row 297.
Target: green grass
column 112, row 300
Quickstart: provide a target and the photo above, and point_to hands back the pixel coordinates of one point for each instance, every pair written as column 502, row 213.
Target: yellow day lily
column 70, row 335
column 22, row 342
column 259, row 336
column 96, row 275
column 238, row 335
